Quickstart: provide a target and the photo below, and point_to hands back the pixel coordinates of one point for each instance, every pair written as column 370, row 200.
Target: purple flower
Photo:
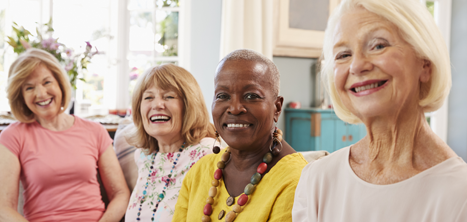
column 88, row 46
column 47, row 42
column 69, row 66
column 69, row 52
column 133, row 76
column 54, row 46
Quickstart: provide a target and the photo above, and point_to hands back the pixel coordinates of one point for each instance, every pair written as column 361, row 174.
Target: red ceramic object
column 218, row 174
column 242, row 199
column 262, row 168
column 207, row 210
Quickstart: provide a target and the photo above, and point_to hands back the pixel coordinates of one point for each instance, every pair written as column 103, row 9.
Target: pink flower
column 88, row 46
column 164, row 179
column 25, row 44
column 69, row 66
column 170, row 156
column 69, row 52
column 54, row 46
column 47, row 42
column 192, row 164
column 192, row 154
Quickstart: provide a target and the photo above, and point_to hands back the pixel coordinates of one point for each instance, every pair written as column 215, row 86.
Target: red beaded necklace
column 249, row 188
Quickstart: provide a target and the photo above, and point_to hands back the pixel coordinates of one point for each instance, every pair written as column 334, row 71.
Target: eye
column 47, row 82
column 147, row 98
column 252, row 96
column 222, row 96
column 169, row 97
column 342, row 55
column 28, row 88
column 380, row 46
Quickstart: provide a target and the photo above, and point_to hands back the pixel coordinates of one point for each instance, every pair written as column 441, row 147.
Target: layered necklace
column 161, row 196
column 249, row 188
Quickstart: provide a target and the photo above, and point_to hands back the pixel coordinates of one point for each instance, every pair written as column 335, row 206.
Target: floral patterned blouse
column 162, row 166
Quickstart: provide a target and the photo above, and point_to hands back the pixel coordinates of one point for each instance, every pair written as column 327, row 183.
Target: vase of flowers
column 73, row 62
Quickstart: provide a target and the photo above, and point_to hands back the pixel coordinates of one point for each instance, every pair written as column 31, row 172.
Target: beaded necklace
column 161, row 196
column 249, row 188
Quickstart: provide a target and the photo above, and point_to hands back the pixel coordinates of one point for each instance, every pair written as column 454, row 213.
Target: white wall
column 205, row 44
column 457, row 110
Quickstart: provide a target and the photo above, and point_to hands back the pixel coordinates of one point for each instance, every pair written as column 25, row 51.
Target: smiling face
column 162, row 113
column 376, row 73
column 244, row 107
column 42, row 93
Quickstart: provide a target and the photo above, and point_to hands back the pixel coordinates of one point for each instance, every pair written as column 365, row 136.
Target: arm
column 303, row 208
column 114, row 184
column 10, row 169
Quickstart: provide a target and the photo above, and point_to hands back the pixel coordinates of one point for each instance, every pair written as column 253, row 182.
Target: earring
column 276, row 139
column 216, row 149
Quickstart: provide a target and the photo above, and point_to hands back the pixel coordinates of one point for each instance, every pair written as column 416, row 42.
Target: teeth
column 370, row 86
column 159, row 118
column 238, row 125
column 45, row 102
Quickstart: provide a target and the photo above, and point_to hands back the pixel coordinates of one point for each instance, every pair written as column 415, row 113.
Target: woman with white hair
column 386, row 64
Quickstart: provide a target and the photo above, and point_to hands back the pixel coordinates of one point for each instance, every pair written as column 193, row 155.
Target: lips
column 159, row 118
column 44, row 102
column 367, row 87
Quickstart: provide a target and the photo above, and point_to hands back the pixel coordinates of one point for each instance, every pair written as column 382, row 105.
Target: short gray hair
column 251, row 55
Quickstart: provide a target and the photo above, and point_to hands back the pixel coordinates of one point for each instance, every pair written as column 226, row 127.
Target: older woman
column 172, row 133
column 253, row 179
column 55, row 155
column 386, row 65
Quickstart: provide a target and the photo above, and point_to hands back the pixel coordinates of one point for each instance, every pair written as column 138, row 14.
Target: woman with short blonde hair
column 386, row 64
column 172, row 133
column 54, row 154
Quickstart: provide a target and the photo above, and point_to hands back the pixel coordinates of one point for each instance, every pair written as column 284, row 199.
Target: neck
column 169, row 145
column 244, row 160
column 404, row 140
column 58, row 122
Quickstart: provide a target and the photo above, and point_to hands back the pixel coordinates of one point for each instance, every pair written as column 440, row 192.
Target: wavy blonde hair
column 195, row 120
column 417, row 27
column 20, row 71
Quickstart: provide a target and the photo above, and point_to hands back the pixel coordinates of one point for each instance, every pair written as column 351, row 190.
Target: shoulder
column 80, row 122
column 328, row 165
column 16, row 129
column 288, row 169
column 450, row 174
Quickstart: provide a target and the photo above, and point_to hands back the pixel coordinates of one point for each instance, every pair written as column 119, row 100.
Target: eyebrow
column 30, row 84
column 371, row 30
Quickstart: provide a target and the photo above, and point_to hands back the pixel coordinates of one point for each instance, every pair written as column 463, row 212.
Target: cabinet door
column 341, row 134
column 328, row 137
column 300, row 133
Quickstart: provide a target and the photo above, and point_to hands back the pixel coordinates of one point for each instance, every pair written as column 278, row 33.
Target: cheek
column 340, row 77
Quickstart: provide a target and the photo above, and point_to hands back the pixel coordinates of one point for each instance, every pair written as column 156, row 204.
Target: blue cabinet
column 319, row 129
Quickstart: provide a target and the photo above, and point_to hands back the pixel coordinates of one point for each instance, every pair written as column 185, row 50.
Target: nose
column 40, row 91
column 360, row 64
column 236, row 107
column 158, row 104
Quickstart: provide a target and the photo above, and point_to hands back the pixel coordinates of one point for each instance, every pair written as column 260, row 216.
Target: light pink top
column 330, row 191
column 58, row 169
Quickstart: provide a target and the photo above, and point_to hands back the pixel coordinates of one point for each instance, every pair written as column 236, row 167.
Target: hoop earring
column 276, row 140
column 216, row 149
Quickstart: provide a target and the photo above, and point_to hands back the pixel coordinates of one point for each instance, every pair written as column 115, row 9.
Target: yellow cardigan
column 272, row 199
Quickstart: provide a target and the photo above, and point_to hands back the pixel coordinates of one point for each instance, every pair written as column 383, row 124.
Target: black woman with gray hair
column 253, row 179
column 386, row 64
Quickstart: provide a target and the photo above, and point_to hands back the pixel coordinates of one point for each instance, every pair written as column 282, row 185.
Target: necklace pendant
column 230, row 201
column 221, row 214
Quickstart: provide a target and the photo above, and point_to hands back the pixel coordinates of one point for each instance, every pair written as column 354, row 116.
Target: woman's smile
column 159, row 119
column 368, row 87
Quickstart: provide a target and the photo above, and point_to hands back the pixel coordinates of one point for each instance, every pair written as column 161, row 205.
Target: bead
column 216, row 149
column 249, row 189
column 237, row 208
column 280, row 132
column 267, row 158
column 242, row 200
column 212, row 192
column 218, row 174
column 225, row 157
column 262, row 168
column 206, row 218
column 230, row 201
column 230, row 216
column 276, row 151
column 214, row 183
column 279, row 137
column 207, row 209
column 227, row 149
column 210, row 200
column 255, row 178
column 161, row 196
column 221, row 214
column 221, row 164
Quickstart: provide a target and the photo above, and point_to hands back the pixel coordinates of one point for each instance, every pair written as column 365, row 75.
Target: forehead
column 243, row 70
column 359, row 22
column 39, row 73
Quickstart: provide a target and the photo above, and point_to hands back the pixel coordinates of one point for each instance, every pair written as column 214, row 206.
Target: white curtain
column 247, row 24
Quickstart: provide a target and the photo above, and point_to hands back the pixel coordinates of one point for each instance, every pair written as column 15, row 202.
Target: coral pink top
column 58, row 169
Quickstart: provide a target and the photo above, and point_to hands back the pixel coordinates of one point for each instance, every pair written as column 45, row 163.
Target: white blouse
column 162, row 167
column 330, row 191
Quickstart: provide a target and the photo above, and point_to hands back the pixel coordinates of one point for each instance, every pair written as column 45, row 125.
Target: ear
column 425, row 75
column 278, row 107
